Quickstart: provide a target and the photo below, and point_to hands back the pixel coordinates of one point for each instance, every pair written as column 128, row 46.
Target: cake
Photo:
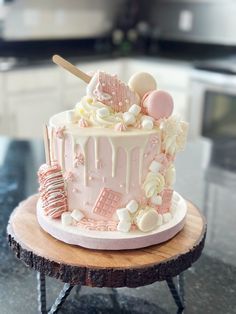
column 110, row 168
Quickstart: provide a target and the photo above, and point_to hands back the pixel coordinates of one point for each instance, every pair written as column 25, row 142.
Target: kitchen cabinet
column 33, row 79
column 27, row 114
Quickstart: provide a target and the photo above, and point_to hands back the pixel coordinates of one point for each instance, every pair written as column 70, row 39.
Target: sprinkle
column 60, row 131
column 78, row 160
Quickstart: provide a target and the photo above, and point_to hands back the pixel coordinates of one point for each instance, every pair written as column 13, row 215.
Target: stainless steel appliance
column 213, row 104
column 203, row 21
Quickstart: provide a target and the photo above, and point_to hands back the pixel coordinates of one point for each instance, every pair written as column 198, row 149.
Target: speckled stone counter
column 205, row 174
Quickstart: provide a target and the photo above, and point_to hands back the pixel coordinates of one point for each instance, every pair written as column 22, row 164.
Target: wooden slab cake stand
column 80, row 266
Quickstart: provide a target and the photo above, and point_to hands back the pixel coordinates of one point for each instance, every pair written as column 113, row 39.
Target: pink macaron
column 158, row 104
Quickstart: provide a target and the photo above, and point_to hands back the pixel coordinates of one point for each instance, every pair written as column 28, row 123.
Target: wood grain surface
column 78, row 265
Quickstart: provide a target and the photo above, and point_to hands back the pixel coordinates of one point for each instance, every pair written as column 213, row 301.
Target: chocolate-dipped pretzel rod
column 52, row 185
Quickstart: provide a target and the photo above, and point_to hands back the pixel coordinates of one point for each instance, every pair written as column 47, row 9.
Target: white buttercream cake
column 112, row 158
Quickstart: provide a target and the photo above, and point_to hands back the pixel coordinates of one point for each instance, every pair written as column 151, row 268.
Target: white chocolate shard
column 123, row 214
column 124, row 226
column 129, row 118
column 156, row 200
column 132, row 206
column 147, row 118
column 155, row 167
column 77, row 215
column 147, row 221
column 147, row 124
column 103, row 112
column 166, row 217
column 66, row 219
column 135, row 109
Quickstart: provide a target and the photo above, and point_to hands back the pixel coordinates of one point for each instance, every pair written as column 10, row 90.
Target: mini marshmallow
column 156, row 199
column 166, row 217
column 145, row 117
column 132, row 206
column 129, row 118
column 160, row 220
column 154, row 166
column 123, row 214
column 147, row 124
column 77, row 215
column 124, row 226
column 70, row 116
column 102, row 112
column 135, row 109
column 66, row 219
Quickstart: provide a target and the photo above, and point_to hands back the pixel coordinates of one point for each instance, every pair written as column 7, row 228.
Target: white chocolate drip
column 128, row 145
column 96, row 151
column 82, row 142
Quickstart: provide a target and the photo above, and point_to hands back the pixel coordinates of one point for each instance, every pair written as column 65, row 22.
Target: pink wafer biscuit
column 111, row 91
column 166, row 201
column 107, row 203
column 52, row 190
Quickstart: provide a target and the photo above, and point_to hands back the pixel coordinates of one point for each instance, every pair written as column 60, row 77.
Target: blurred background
column 189, row 46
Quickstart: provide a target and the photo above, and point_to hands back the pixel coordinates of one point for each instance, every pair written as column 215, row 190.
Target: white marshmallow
column 156, row 199
column 166, row 217
column 154, row 166
column 147, row 124
column 123, row 214
column 77, row 215
column 170, row 176
column 124, row 226
column 132, row 206
column 102, row 112
column 147, row 118
column 70, row 116
column 129, row 118
column 160, row 220
column 135, row 109
column 66, row 219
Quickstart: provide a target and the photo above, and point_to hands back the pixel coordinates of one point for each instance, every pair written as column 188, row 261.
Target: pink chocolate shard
column 166, row 201
column 111, row 91
column 107, row 203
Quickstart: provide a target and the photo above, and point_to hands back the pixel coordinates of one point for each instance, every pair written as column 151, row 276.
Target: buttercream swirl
column 174, row 135
column 87, row 109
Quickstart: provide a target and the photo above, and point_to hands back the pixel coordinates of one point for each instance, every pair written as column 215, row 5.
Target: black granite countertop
column 206, row 174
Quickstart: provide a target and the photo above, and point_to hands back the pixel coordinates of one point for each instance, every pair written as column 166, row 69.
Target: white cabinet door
column 28, row 113
column 32, row 79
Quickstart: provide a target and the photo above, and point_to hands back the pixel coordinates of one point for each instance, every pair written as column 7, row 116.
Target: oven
column 212, row 105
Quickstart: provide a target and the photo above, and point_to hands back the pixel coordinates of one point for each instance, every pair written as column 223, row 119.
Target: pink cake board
column 115, row 240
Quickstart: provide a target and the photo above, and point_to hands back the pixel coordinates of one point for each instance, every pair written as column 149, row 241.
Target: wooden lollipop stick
column 71, row 68
column 46, row 145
